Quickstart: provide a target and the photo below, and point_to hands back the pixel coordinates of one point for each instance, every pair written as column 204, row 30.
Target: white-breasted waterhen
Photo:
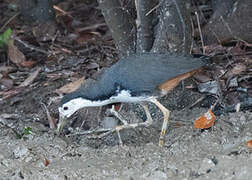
column 133, row 79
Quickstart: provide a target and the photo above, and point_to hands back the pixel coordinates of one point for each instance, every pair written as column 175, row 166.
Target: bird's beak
column 61, row 123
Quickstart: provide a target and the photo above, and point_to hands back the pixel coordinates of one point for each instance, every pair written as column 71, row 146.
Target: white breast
column 125, row 96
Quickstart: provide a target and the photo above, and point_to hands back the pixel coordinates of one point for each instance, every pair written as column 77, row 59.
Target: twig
column 94, row 131
column 95, row 26
column 51, row 121
column 30, row 79
column 153, row 9
column 31, row 46
column 15, row 15
column 197, row 101
column 226, row 24
column 193, row 34
column 201, row 37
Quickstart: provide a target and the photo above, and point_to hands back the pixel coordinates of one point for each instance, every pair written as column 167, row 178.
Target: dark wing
column 143, row 73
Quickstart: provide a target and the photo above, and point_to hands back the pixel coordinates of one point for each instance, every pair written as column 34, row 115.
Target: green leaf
column 27, row 130
column 19, row 136
column 5, row 37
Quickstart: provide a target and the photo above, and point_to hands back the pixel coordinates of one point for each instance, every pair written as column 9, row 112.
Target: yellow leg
column 166, row 114
column 147, row 112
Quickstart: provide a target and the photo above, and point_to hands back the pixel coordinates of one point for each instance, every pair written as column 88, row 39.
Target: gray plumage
column 140, row 74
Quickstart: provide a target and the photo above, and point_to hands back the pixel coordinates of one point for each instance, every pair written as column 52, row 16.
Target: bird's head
column 90, row 94
column 69, row 104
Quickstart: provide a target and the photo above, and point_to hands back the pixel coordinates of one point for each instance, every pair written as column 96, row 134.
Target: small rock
column 109, row 122
column 156, row 175
column 206, row 166
column 20, row 152
column 1, row 156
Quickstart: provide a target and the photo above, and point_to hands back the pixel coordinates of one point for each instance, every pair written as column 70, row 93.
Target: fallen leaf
column 10, row 93
column 205, row 121
column 238, row 68
column 92, row 65
column 7, row 83
column 233, row 82
column 209, row 87
column 28, row 64
column 47, row 162
column 44, row 31
column 6, row 70
column 201, row 77
column 62, row 11
column 86, row 37
column 249, row 143
column 14, row 55
column 31, row 78
column 71, row 86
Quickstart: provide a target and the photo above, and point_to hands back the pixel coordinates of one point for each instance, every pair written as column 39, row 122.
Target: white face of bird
column 70, row 107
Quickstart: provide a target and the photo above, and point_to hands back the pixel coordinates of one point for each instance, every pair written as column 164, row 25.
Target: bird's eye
column 65, row 108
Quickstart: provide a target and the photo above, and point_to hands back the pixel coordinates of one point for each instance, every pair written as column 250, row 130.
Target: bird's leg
column 149, row 120
column 147, row 123
column 116, row 114
column 127, row 125
column 166, row 114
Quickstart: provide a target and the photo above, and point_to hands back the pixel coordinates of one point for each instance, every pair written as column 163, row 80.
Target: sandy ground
column 220, row 152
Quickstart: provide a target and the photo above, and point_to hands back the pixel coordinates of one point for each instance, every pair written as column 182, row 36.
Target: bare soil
column 220, row 152
column 29, row 149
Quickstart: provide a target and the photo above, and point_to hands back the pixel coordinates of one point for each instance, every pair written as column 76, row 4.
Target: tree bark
column 121, row 25
column 173, row 32
column 144, row 25
column 37, row 10
column 231, row 20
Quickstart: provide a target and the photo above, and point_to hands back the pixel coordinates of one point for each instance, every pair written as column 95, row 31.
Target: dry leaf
column 68, row 88
column 10, row 93
column 249, row 143
column 7, row 83
column 44, row 31
column 238, row 68
column 205, row 121
column 201, row 77
column 6, row 69
column 92, row 65
column 28, row 64
column 15, row 56
column 31, row 78
column 47, row 162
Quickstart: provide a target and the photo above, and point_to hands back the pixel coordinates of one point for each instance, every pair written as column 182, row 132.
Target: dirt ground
column 220, row 152
column 29, row 149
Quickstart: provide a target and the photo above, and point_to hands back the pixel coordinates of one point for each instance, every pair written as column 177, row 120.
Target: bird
column 137, row 78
